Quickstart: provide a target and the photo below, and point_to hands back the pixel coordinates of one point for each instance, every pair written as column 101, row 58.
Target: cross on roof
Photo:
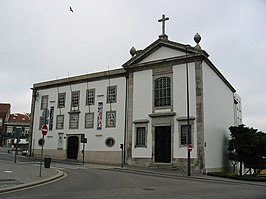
column 163, row 19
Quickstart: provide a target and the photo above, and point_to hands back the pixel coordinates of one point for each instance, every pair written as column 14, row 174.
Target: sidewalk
column 24, row 174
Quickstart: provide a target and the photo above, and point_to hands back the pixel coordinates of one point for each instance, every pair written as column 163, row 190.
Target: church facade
column 164, row 98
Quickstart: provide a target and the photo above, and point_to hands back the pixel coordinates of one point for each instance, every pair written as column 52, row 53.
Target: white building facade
column 148, row 106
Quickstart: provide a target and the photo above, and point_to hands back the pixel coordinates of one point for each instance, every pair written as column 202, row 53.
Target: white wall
column 180, row 106
column 218, row 117
column 96, row 138
column 142, row 107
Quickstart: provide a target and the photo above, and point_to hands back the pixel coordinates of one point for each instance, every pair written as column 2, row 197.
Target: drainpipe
column 125, row 125
column 34, row 97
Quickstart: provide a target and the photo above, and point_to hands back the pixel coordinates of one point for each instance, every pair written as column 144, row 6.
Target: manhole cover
column 148, row 189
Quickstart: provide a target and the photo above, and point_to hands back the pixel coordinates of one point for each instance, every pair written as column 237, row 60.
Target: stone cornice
column 163, row 114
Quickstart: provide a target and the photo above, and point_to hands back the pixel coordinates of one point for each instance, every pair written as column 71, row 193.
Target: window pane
column 74, row 121
column 44, row 102
column 90, row 97
column 185, row 137
column 162, row 92
column 140, row 136
column 111, row 94
column 59, row 121
column 110, row 118
column 75, row 99
column 61, row 100
column 89, row 119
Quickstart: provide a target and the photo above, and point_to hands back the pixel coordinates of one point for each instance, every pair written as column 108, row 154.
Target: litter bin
column 47, row 162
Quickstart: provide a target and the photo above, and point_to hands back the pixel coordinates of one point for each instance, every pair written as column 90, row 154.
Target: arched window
column 162, row 92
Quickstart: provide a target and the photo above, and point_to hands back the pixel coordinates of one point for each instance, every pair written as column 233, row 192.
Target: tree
column 247, row 146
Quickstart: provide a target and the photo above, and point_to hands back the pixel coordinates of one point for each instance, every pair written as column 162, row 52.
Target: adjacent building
column 4, row 114
column 166, row 96
column 17, row 127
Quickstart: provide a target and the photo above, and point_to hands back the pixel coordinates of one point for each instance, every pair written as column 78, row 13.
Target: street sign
column 44, row 129
column 41, row 142
column 189, row 147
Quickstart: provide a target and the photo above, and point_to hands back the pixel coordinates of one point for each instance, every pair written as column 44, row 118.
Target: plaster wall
column 180, row 107
column 142, row 107
column 218, row 117
column 96, row 138
column 162, row 53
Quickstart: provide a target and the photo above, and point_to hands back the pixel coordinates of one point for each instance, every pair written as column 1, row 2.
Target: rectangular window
column 61, row 100
column 75, row 101
column 60, row 122
column 185, row 135
column 89, row 120
column 44, row 102
column 111, row 94
column 162, row 92
column 140, row 136
column 90, row 97
column 110, row 119
column 74, row 121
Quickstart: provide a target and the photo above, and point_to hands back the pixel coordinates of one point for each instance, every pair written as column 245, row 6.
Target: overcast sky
column 43, row 40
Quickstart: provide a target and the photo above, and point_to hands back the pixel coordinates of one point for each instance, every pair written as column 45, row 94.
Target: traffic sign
column 189, row 147
column 41, row 142
column 44, row 129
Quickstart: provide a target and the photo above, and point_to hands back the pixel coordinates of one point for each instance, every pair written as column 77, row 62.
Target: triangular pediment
column 161, row 49
column 163, row 53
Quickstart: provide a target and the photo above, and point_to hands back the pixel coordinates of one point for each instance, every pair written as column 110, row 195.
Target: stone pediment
column 161, row 49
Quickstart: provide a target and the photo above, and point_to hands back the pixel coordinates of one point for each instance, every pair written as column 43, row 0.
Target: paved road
column 101, row 181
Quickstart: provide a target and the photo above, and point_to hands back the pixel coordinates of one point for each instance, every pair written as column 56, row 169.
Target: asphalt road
column 83, row 182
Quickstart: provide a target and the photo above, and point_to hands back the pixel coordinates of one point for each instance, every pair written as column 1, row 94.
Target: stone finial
column 133, row 51
column 197, row 39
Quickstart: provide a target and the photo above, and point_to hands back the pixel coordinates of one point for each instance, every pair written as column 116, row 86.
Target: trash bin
column 47, row 162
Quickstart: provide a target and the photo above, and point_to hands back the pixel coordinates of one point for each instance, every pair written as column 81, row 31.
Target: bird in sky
column 71, row 9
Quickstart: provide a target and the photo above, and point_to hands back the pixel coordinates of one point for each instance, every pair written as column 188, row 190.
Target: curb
column 206, row 178
column 59, row 175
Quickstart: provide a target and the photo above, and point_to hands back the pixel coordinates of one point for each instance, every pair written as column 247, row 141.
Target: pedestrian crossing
column 67, row 166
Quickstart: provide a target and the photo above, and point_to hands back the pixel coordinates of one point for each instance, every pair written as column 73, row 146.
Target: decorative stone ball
column 133, row 51
column 197, row 38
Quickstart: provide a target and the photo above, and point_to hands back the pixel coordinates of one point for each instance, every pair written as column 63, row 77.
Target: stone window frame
column 58, row 126
column 108, row 121
column 61, row 101
column 162, row 92
column 111, row 96
column 73, row 122
column 90, row 96
column 182, row 121
column 141, row 124
column 89, row 124
column 166, row 71
column 75, row 96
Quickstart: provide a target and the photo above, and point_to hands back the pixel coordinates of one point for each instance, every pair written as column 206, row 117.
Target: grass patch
column 237, row 177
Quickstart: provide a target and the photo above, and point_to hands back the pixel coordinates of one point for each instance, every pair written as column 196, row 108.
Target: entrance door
column 163, row 144
column 72, row 147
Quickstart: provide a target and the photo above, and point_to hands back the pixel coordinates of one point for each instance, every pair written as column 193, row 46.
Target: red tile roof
column 18, row 117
